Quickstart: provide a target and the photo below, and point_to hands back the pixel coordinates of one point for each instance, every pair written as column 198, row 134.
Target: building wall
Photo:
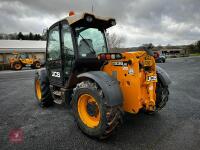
column 6, row 58
column 1, row 58
column 175, row 52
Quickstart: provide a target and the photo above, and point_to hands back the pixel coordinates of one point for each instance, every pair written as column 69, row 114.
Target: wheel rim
column 88, row 110
column 37, row 65
column 17, row 66
column 38, row 90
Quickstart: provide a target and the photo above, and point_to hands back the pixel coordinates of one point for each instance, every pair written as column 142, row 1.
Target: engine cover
column 136, row 73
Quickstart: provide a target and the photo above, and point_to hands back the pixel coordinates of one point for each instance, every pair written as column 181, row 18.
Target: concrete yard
column 177, row 126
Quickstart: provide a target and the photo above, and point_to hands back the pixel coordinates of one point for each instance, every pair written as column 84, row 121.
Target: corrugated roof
column 22, row 44
column 26, row 50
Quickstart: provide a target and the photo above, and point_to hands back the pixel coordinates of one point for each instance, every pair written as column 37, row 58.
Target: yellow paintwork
column 38, row 90
column 138, row 92
column 27, row 61
column 90, row 121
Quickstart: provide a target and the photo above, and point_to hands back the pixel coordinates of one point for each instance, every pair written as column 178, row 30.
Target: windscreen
column 91, row 42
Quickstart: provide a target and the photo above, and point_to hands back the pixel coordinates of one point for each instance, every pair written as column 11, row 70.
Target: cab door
column 68, row 52
column 54, row 59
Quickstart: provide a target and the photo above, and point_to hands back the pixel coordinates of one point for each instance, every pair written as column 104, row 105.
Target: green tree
column 191, row 48
column 198, row 46
column 31, row 36
column 20, row 36
column 37, row 37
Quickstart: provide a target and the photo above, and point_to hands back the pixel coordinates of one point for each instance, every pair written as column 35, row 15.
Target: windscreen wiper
column 91, row 48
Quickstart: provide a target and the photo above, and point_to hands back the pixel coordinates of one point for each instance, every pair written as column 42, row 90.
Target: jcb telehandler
column 21, row 60
column 99, row 85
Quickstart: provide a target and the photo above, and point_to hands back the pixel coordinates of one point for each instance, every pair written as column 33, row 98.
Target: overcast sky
column 139, row 21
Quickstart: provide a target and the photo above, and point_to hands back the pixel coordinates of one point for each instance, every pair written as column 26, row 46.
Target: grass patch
column 195, row 54
column 4, row 67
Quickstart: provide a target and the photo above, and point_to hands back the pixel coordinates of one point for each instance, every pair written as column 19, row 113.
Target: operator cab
column 73, row 45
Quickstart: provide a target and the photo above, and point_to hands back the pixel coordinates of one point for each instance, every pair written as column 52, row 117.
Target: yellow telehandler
column 99, row 85
column 21, row 60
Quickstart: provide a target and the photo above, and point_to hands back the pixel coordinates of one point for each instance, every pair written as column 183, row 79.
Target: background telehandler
column 21, row 60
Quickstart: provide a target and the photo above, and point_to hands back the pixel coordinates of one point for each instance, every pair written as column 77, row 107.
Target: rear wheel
column 36, row 65
column 93, row 116
column 17, row 66
column 42, row 92
column 162, row 94
column 163, row 60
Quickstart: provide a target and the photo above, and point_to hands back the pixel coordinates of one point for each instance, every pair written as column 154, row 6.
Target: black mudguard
column 109, row 86
column 163, row 76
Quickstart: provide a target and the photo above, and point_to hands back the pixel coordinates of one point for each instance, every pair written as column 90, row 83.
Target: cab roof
column 79, row 18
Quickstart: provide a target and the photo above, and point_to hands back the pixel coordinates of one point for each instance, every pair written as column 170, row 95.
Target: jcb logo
column 152, row 78
column 56, row 74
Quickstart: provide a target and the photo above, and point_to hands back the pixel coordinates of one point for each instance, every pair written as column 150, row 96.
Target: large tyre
column 36, row 65
column 42, row 91
column 163, row 60
column 91, row 112
column 162, row 95
column 17, row 66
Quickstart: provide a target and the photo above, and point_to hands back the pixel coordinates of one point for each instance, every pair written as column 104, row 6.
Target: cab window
column 91, row 41
column 68, row 48
column 67, row 39
column 24, row 56
column 53, row 48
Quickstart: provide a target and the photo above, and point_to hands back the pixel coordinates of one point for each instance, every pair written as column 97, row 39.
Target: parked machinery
column 21, row 60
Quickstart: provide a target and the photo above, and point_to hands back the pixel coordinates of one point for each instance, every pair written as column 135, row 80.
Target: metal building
column 175, row 52
column 8, row 47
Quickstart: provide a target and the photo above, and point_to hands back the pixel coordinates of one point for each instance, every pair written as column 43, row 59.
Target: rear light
column 102, row 56
column 118, row 56
column 110, row 56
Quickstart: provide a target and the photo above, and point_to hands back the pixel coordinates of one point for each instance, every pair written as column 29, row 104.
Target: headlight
column 89, row 18
column 113, row 22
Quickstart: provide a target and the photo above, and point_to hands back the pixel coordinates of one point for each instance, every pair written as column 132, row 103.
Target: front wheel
column 93, row 116
column 42, row 91
column 17, row 66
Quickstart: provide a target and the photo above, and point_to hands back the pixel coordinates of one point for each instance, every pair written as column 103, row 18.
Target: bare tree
column 115, row 40
column 148, row 45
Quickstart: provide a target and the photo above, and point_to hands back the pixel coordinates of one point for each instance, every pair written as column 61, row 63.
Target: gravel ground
column 177, row 126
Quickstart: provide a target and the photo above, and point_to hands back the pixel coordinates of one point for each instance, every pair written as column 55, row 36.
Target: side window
column 53, row 52
column 68, row 48
column 67, row 39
